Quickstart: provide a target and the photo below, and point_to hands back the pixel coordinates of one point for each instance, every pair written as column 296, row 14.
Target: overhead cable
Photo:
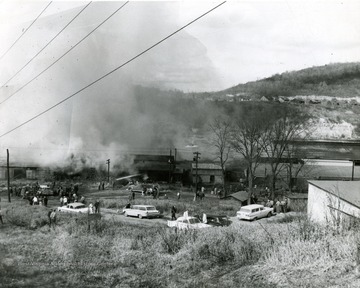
column 112, row 71
column 62, row 56
column 47, row 44
column 22, row 34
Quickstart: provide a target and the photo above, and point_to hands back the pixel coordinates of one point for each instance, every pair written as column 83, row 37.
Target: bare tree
column 221, row 139
column 247, row 138
column 283, row 126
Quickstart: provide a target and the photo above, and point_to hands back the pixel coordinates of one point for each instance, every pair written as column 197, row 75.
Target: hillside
column 338, row 80
column 330, row 93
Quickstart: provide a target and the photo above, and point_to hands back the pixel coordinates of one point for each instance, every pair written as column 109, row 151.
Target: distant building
column 333, row 202
column 156, row 167
column 23, row 171
column 207, row 173
column 264, row 99
column 241, row 196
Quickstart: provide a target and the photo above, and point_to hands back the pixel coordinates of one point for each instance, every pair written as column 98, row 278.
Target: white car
column 74, row 208
column 254, row 212
column 141, row 211
column 46, row 190
column 187, row 223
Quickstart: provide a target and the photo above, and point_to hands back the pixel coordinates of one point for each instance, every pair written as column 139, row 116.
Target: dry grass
column 293, row 253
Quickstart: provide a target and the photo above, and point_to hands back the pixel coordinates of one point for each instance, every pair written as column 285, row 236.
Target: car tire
column 269, row 215
column 140, row 216
column 126, row 215
column 255, row 219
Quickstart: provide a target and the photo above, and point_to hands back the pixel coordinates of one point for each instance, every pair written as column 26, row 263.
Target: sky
column 240, row 41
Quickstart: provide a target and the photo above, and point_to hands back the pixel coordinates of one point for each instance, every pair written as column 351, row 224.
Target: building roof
column 241, row 196
column 348, row 191
column 206, row 166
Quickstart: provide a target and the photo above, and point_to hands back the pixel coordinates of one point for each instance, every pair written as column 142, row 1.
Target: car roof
column 252, row 206
column 77, row 204
column 184, row 218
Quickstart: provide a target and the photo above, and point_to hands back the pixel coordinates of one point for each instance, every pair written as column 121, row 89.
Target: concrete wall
column 318, row 210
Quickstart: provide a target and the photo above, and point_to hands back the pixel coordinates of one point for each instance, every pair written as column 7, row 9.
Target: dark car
column 217, row 220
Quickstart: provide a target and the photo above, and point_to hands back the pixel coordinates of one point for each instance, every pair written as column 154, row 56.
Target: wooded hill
column 340, row 80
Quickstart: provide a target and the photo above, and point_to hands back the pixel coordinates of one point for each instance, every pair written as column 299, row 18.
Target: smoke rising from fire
column 114, row 117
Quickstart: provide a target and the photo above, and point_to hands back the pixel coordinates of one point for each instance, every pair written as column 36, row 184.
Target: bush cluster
column 30, row 217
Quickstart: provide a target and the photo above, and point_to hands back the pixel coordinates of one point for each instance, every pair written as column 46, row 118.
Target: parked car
column 46, row 190
column 189, row 222
column 74, row 208
column 142, row 211
column 254, row 212
column 216, row 220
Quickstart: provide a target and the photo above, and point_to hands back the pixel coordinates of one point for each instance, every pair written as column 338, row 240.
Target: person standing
column 173, row 213
column 45, row 200
column 91, row 208
column 97, row 206
column 49, row 216
column 178, row 195
column 1, row 219
column 53, row 218
column 277, row 206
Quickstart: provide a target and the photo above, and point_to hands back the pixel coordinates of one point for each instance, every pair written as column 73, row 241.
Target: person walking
column 173, row 213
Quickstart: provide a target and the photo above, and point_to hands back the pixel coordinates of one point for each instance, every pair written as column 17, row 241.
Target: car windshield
column 151, row 208
column 194, row 221
column 245, row 210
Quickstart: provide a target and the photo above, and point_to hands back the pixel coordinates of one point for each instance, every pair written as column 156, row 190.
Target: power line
column 47, row 44
column 25, row 30
column 57, row 60
column 112, row 71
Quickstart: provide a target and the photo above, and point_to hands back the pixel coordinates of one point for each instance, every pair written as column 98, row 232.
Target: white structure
column 333, row 201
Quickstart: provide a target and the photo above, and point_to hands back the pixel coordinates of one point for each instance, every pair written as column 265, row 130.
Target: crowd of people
column 280, row 206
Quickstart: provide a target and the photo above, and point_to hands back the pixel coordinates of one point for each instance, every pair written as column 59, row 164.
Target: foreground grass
column 293, row 253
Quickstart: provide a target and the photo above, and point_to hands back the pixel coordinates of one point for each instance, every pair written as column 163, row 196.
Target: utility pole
column 196, row 159
column 175, row 159
column 8, row 174
column 108, row 163
column 170, row 165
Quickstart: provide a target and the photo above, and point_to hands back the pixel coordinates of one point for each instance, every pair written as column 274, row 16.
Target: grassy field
column 284, row 252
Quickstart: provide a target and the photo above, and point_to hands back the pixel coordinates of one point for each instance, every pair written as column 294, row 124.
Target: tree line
column 259, row 132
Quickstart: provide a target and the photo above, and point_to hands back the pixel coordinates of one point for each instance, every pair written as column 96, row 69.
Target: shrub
column 173, row 239
column 220, row 251
column 30, row 217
